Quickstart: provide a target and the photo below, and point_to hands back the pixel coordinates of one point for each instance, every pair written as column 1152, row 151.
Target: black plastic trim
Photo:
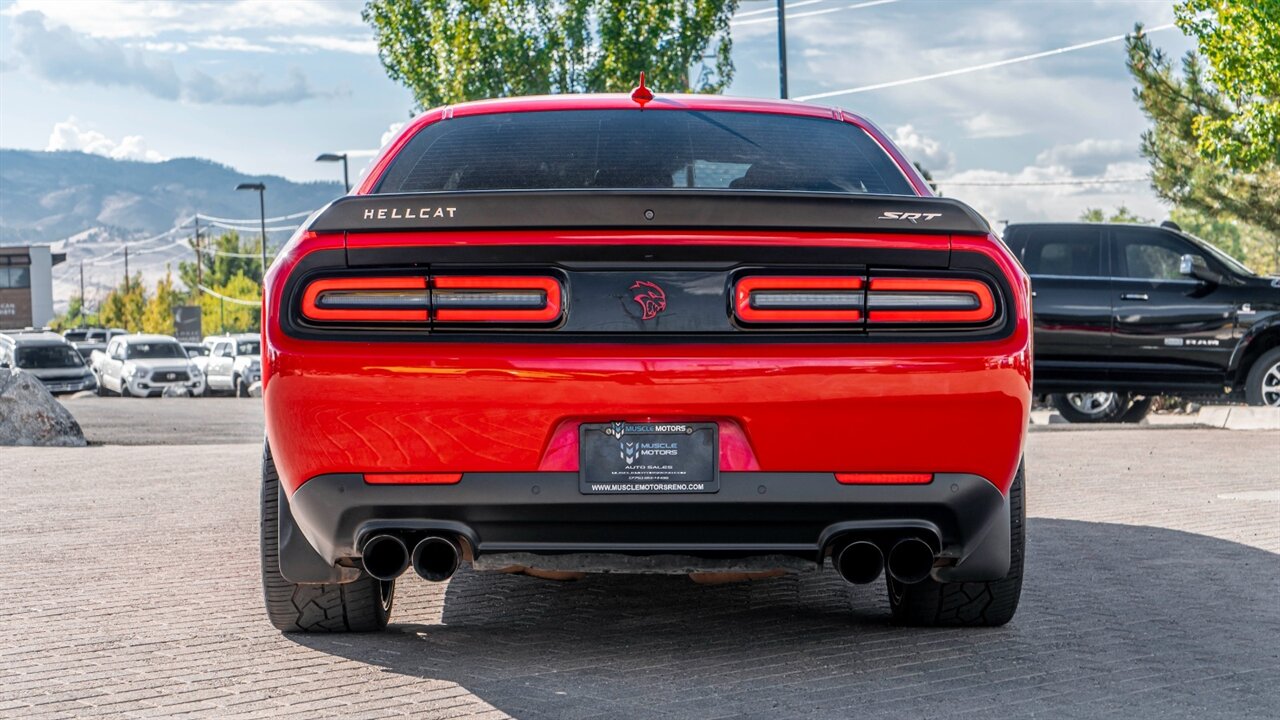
column 648, row 209
column 756, row 513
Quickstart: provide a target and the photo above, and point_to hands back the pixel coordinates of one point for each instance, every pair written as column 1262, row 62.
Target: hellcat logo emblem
column 652, row 299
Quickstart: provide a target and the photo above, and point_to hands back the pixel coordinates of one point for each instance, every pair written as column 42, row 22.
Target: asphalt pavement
column 132, row 590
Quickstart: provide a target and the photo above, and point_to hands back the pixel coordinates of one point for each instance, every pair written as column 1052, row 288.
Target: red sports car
column 631, row 334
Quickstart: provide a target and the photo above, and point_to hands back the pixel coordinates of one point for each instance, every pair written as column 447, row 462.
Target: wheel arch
column 1263, row 336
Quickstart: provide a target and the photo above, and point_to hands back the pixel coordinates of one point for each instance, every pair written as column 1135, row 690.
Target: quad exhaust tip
column 859, row 562
column 385, row 557
column 436, row 558
column 910, row 560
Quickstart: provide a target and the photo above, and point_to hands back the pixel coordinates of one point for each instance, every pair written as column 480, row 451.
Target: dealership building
column 26, row 286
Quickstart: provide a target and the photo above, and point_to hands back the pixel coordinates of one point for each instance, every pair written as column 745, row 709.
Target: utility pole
column 81, row 293
column 782, row 49
column 199, row 259
column 126, row 268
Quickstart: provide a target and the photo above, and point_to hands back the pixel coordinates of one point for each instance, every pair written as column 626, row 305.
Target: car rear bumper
column 800, row 515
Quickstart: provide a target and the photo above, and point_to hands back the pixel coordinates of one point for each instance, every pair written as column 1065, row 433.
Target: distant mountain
column 90, row 206
column 48, row 196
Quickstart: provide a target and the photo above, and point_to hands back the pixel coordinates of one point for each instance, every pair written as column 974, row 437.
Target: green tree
column 158, row 315
column 1241, row 42
column 448, row 51
column 1122, row 214
column 1179, row 172
column 75, row 316
column 222, row 258
column 124, row 305
column 219, row 315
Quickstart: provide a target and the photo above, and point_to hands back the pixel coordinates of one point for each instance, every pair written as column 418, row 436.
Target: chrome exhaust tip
column 859, row 562
column 436, row 558
column 385, row 557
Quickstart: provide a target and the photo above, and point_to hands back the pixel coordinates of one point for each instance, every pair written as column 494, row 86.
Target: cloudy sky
column 265, row 85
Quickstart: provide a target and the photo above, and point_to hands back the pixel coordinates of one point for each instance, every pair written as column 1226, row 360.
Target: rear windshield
column 45, row 357
column 140, row 351
column 632, row 149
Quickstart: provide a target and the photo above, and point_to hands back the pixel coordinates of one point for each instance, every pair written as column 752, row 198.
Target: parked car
column 583, row 333
column 1127, row 312
column 48, row 357
column 146, row 365
column 234, row 363
column 86, row 340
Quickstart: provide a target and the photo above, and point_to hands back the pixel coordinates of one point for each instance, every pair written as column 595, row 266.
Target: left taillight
column 367, row 300
column 444, row 299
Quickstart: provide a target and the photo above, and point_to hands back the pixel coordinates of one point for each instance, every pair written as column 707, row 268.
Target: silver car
column 48, row 357
column 234, row 363
column 145, row 365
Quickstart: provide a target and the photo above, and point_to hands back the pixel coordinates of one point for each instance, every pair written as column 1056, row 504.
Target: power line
column 1040, row 183
column 237, row 301
column 254, row 221
column 975, row 68
column 768, row 10
column 810, row 13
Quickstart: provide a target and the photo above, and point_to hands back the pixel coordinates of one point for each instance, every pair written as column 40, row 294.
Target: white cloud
column 1013, row 196
column 123, row 19
column 992, row 125
column 59, row 54
column 924, row 150
column 69, row 135
column 1090, row 156
column 392, row 130
column 231, row 43
column 354, row 45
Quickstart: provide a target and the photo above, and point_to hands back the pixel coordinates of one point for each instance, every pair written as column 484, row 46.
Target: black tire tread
column 348, row 607
column 1253, row 381
column 981, row 604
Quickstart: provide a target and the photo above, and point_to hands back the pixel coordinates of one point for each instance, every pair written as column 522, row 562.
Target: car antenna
column 641, row 94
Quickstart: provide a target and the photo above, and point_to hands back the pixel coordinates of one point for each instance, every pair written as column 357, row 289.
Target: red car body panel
column 488, row 430
column 337, row 407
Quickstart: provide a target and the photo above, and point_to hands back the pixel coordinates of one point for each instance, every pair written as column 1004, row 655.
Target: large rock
column 30, row 416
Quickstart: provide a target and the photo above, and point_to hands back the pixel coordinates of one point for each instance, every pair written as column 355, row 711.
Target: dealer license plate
column 624, row 458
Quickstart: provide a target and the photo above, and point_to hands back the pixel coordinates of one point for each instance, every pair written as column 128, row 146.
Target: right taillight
column 495, row 299
column 929, row 300
column 802, row 300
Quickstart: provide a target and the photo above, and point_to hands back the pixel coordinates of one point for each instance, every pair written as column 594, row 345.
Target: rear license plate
column 625, row 458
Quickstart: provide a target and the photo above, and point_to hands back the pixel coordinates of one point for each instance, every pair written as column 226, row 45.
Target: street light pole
column 262, row 210
column 335, row 157
column 782, row 49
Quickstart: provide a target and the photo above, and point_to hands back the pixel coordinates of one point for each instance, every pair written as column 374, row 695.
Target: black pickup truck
column 1126, row 312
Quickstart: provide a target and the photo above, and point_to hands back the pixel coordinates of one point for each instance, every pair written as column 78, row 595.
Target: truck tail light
column 384, row 299
column 771, row 299
column 929, row 300
column 868, row 478
column 485, row 299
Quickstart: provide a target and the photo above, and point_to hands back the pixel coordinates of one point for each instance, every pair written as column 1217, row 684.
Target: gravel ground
column 133, row 591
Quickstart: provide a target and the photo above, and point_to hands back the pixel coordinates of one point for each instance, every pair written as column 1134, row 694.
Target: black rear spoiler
column 648, row 209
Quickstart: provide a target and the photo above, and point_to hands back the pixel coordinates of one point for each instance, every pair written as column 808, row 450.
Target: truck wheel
column 100, row 390
column 1090, row 407
column 124, row 390
column 360, row 606
column 1263, row 384
column 239, row 387
column 985, row 604
column 1139, row 408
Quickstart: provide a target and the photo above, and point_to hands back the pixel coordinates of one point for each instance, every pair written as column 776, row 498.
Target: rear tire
column 1094, row 407
column 930, row 603
column 124, row 389
column 1138, row 410
column 360, row 606
column 1262, row 387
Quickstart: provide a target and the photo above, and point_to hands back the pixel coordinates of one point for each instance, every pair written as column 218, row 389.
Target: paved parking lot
column 1152, row 583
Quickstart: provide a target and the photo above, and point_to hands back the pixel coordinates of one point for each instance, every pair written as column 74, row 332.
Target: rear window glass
column 632, row 149
column 1069, row 251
